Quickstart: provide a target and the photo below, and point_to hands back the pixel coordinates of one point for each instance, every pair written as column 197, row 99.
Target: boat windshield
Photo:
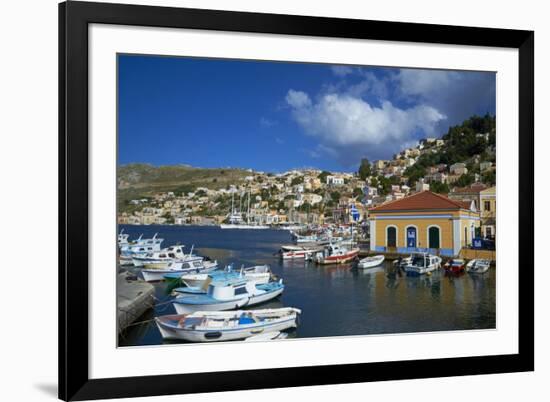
column 419, row 261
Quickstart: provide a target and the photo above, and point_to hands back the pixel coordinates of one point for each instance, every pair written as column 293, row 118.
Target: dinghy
column 478, row 266
column 205, row 326
column 371, row 262
column 454, row 266
column 228, row 294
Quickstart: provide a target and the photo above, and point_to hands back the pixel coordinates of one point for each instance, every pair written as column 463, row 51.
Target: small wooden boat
column 178, row 268
column 206, row 326
column 371, row 262
column 227, row 294
column 422, row 264
column 478, row 266
column 454, row 266
column 258, row 273
column 335, row 254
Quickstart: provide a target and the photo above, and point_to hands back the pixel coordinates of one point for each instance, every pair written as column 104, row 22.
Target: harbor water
column 335, row 300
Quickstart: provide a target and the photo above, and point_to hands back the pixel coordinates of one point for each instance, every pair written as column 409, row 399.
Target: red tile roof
column 422, row 201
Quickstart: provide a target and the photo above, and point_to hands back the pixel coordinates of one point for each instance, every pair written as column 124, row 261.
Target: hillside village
column 460, row 164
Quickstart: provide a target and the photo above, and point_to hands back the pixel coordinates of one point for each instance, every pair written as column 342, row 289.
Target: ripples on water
column 335, row 300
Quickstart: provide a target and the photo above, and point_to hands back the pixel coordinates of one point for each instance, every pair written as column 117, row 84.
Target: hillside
column 466, row 143
column 143, row 180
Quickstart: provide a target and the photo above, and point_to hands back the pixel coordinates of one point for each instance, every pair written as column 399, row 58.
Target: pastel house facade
column 423, row 222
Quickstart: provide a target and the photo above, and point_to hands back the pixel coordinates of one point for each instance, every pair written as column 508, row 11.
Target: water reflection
column 335, row 300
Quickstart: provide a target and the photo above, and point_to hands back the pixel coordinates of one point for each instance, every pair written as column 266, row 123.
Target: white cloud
column 297, row 99
column 343, row 120
column 426, row 82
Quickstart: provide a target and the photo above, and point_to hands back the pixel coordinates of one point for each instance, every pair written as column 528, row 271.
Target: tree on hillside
column 441, row 188
column 364, row 169
column 465, row 180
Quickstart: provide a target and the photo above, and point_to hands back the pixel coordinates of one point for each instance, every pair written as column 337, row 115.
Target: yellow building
column 423, row 222
column 488, row 210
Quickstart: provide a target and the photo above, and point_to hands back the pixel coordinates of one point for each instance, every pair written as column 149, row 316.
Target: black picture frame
column 74, row 18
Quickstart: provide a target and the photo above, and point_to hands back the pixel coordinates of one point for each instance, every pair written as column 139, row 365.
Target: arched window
column 391, row 236
column 433, row 237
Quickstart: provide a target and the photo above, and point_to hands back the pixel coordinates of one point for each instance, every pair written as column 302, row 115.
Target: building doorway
column 433, row 237
column 391, row 236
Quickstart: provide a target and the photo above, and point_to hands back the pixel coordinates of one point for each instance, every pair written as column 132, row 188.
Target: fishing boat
column 258, row 273
column 292, row 252
column 178, row 268
column 141, row 246
column 208, row 326
column 454, row 266
column 160, row 259
column 478, row 266
column 422, row 264
column 371, row 262
column 228, row 294
column 335, row 254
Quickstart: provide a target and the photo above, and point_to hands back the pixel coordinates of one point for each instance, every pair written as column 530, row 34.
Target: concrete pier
column 133, row 299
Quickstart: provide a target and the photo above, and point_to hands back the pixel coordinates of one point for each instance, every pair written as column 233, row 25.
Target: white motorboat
column 423, row 263
column 160, row 259
column 228, row 294
column 178, row 267
column 478, row 266
column 335, row 254
column 293, row 252
column 141, row 246
column 258, row 273
column 207, row 326
column 371, row 262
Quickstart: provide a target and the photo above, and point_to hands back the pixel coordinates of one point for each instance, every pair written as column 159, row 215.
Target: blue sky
column 275, row 116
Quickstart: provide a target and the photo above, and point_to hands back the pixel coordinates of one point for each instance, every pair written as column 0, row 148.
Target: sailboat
column 236, row 219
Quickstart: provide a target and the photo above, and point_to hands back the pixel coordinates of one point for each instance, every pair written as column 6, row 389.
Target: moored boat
column 228, row 294
column 454, row 266
column 478, row 266
column 294, row 252
column 423, row 263
column 258, row 273
column 371, row 262
column 218, row 326
column 335, row 254
column 161, row 258
column 178, row 268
